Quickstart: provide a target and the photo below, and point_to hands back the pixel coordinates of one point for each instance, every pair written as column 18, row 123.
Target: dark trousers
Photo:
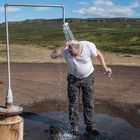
column 75, row 85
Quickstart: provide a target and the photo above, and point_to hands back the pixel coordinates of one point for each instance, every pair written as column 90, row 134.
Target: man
column 78, row 55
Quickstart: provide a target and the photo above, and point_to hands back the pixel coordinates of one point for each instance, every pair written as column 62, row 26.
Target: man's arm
column 102, row 62
column 58, row 51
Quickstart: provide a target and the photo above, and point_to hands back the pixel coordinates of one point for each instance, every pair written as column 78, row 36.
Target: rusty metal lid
column 10, row 120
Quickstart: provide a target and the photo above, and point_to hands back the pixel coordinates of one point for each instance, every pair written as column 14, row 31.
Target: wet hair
column 77, row 46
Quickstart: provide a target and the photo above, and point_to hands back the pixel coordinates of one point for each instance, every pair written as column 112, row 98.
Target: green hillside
column 115, row 35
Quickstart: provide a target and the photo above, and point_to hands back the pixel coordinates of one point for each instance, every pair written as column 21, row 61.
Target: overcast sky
column 74, row 9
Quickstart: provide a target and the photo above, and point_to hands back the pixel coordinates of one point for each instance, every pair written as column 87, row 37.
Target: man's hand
column 100, row 57
column 108, row 71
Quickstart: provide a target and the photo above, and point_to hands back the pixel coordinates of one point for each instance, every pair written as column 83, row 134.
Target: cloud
column 83, row 3
column 135, row 4
column 106, row 8
column 10, row 9
column 42, row 8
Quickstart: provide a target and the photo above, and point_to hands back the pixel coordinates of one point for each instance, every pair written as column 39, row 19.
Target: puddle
column 39, row 125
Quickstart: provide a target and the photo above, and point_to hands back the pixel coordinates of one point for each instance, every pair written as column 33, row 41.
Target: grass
column 122, row 37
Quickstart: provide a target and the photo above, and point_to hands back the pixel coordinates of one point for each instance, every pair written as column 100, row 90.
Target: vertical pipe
column 9, row 96
column 63, row 14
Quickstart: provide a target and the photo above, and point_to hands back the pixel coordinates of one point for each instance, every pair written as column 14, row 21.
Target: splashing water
column 67, row 31
column 60, row 90
column 65, row 136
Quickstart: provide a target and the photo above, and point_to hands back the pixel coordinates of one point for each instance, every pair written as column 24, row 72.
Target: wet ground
column 55, row 126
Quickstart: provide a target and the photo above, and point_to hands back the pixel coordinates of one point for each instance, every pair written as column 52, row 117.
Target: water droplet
column 139, row 112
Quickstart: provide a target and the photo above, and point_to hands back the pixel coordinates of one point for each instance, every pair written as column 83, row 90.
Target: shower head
column 67, row 31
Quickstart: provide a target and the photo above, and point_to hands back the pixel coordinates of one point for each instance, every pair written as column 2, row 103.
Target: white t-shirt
column 81, row 66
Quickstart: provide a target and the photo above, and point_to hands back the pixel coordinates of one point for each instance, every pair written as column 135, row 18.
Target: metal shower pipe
column 38, row 5
column 9, row 96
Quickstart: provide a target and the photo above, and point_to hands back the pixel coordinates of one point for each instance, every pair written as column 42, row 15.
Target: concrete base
column 11, row 127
